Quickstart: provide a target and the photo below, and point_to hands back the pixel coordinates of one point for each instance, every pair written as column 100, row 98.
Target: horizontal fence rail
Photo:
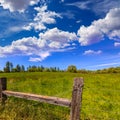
column 40, row 98
column 74, row 104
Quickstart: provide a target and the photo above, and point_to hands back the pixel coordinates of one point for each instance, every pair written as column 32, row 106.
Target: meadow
column 100, row 100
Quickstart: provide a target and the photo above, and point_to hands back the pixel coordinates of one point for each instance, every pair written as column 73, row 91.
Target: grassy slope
column 101, row 96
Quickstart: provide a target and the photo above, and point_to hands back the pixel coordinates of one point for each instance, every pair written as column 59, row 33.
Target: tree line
column 9, row 67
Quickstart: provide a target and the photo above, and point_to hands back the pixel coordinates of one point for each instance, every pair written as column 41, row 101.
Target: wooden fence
column 74, row 104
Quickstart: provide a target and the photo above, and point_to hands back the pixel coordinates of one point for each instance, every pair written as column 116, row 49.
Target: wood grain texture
column 40, row 98
column 3, row 86
column 76, row 99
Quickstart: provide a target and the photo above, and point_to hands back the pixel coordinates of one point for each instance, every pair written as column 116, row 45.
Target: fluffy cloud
column 92, row 52
column 115, row 35
column 117, row 44
column 89, row 35
column 57, row 35
column 41, row 57
column 17, row 5
column 38, row 49
column 43, row 17
column 108, row 26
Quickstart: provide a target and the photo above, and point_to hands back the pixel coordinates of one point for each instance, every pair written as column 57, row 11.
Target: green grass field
column 101, row 96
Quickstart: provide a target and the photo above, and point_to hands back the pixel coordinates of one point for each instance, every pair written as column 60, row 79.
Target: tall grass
column 101, row 96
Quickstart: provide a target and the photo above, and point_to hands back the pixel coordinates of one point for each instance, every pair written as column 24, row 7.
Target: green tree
column 8, row 67
column 22, row 68
column 72, row 68
column 18, row 68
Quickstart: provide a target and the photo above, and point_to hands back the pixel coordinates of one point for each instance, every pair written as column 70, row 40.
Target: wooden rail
column 74, row 104
column 40, row 98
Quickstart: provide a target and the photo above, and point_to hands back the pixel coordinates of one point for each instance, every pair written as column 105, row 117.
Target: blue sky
column 85, row 33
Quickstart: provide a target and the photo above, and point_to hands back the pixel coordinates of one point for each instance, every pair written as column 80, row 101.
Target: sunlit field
column 100, row 100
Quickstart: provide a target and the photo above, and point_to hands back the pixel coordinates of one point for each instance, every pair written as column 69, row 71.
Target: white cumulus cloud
column 17, row 5
column 92, row 52
column 108, row 26
column 89, row 35
column 38, row 49
column 117, row 44
column 43, row 17
column 58, row 35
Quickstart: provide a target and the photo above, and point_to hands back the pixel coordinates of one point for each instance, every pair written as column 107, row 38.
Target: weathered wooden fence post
column 3, row 86
column 76, row 99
